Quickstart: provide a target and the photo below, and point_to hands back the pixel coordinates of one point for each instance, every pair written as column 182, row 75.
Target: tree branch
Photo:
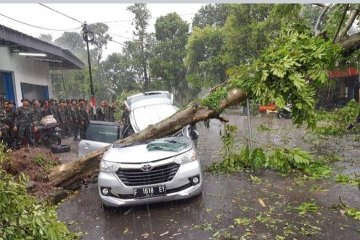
column 321, row 16
column 351, row 43
column 341, row 22
column 349, row 23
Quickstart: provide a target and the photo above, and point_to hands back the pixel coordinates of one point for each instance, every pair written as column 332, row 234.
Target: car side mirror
column 194, row 135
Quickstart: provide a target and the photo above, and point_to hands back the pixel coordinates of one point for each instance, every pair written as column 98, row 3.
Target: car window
column 102, row 133
column 151, row 115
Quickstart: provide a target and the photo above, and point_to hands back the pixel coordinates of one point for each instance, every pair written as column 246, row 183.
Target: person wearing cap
column 83, row 118
column 68, row 126
column 62, row 116
column 10, row 115
column 107, row 112
column 74, row 118
column 112, row 110
column 38, row 113
column 53, row 110
column 100, row 112
column 4, row 124
column 24, row 119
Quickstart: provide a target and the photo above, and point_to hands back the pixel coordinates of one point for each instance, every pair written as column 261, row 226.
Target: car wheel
column 60, row 148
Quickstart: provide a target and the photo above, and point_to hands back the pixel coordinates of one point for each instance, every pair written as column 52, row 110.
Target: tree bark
column 70, row 174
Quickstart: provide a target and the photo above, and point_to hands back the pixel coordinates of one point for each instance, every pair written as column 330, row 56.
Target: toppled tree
column 287, row 72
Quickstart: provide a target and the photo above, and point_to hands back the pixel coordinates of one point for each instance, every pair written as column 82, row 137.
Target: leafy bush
column 22, row 217
column 336, row 122
column 283, row 160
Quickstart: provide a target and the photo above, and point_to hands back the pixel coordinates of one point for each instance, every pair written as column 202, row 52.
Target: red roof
column 343, row 73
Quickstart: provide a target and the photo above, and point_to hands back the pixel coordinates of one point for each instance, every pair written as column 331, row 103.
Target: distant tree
column 204, row 63
column 167, row 65
column 74, row 42
column 101, row 38
column 118, row 74
column 213, row 15
column 139, row 48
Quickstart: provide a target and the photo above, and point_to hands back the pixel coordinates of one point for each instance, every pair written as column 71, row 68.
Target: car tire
column 60, row 148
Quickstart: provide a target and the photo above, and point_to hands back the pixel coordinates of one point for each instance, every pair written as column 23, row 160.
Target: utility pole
column 88, row 36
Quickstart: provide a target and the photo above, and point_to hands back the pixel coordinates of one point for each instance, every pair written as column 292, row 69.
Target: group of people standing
column 18, row 125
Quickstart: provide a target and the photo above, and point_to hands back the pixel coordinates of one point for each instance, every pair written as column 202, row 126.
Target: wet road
column 233, row 206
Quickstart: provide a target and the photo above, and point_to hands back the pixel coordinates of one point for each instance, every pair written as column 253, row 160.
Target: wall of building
column 25, row 70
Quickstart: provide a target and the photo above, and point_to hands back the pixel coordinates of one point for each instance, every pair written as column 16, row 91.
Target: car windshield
column 168, row 144
column 102, row 133
column 151, row 115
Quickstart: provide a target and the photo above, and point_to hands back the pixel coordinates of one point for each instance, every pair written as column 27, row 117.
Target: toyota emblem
column 146, row 167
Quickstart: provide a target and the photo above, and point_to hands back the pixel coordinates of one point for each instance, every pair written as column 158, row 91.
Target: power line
column 61, row 13
column 120, row 36
column 129, row 20
column 117, row 42
column 43, row 28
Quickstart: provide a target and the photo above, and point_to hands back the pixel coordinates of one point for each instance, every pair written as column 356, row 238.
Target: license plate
column 148, row 192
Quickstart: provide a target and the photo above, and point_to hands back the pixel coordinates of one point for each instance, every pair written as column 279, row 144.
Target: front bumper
column 180, row 187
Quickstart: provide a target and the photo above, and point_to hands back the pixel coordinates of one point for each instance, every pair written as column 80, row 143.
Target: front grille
column 138, row 177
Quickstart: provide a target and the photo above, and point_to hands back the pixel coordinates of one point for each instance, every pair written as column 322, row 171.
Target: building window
column 6, row 86
column 32, row 91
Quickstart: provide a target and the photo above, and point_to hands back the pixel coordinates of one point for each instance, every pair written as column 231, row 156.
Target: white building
column 25, row 64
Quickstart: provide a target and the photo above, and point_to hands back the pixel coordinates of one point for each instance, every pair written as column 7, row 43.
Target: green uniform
column 5, row 128
column 74, row 121
column 10, row 118
column 107, row 114
column 54, row 111
column 68, row 125
column 112, row 111
column 83, row 121
column 100, row 114
column 24, row 122
column 38, row 115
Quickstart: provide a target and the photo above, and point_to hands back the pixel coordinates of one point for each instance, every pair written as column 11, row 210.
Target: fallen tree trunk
column 70, row 174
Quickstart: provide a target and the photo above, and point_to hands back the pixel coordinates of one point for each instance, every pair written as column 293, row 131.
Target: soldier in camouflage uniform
column 100, row 111
column 62, row 116
column 112, row 110
column 38, row 112
column 24, row 122
column 4, row 124
column 10, row 116
column 74, row 118
column 38, row 115
column 68, row 126
column 83, row 118
column 53, row 110
column 106, row 113
column 90, row 110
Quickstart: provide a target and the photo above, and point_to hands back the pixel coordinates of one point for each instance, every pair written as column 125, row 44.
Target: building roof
column 57, row 57
column 339, row 73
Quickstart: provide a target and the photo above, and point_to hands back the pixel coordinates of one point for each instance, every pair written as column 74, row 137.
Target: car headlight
column 108, row 167
column 186, row 157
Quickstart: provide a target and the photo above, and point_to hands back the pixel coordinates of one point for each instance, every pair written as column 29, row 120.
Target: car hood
column 146, row 152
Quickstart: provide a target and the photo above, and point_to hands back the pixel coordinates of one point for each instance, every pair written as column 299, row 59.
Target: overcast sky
column 118, row 18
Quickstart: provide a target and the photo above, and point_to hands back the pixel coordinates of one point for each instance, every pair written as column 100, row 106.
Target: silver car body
column 160, row 170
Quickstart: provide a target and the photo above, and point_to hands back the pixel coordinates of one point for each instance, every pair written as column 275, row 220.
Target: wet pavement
column 235, row 206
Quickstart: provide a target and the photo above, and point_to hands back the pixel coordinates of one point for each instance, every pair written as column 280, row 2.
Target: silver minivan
column 153, row 171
